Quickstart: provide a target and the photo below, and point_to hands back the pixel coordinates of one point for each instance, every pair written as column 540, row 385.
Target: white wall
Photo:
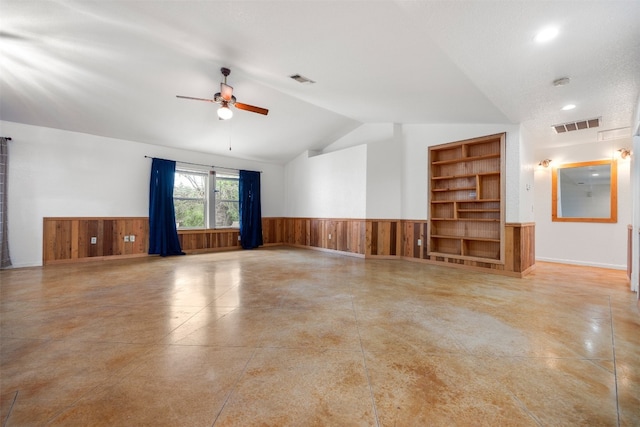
column 526, row 186
column 55, row 173
column 367, row 133
column 635, row 196
column 332, row 185
column 384, row 177
column 390, row 167
column 594, row 244
column 384, row 166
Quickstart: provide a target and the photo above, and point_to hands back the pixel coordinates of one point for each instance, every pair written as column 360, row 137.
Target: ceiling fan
column 225, row 98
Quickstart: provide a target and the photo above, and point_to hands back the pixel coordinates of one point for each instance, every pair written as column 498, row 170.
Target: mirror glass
column 585, row 192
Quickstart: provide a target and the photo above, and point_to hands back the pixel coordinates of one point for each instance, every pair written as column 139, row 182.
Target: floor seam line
column 6, row 419
column 615, row 366
column 233, row 388
column 366, row 368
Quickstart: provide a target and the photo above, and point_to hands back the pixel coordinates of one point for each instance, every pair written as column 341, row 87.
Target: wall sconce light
column 624, row 152
column 545, row 163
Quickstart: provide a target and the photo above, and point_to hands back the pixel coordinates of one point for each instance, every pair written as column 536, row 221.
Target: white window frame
column 185, row 171
column 212, row 217
column 210, row 195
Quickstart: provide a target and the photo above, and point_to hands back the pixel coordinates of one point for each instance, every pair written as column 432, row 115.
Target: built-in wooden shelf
column 467, row 201
column 477, row 239
column 466, row 159
column 466, row 219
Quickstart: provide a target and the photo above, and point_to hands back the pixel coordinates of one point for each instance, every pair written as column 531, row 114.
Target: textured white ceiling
column 114, row 68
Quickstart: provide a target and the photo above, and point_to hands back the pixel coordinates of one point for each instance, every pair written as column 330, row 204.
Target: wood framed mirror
column 585, row 192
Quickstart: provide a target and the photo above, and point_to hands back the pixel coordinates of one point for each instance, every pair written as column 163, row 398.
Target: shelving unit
column 467, row 200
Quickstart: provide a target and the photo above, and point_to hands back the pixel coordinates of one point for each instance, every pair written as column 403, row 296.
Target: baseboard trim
column 93, row 258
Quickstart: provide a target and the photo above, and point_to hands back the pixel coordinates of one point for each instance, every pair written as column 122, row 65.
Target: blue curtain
column 163, row 235
column 250, row 211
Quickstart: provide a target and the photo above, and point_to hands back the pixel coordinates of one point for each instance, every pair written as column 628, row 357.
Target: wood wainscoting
column 389, row 238
column 70, row 240
column 414, row 233
column 520, row 248
column 369, row 238
column 86, row 239
column 209, row 240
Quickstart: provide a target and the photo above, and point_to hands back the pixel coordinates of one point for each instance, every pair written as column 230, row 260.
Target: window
column 190, row 199
column 196, row 206
column 227, row 201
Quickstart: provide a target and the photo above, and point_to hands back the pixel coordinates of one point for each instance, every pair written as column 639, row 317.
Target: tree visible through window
column 190, row 199
column 196, row 209
column 227, row 201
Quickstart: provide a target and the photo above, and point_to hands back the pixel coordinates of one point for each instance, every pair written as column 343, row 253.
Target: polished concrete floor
column 294, row 337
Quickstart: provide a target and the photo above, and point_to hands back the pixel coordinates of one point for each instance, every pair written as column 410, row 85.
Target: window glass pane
column 227, row 214
column 189, row 198
column 189, row 213
column 227, row 201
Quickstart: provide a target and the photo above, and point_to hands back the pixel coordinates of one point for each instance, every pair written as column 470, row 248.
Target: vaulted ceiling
column 114, row 68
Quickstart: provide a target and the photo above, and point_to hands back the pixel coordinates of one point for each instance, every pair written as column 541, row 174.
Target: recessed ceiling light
column 547, row 34
column 568, row 107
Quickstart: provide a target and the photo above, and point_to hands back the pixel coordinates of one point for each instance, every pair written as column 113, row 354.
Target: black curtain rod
column 198, row 164
column 8, row 138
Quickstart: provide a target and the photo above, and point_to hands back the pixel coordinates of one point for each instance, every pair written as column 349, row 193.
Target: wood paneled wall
column 520, row 247
column 384, row 238
column 629, row 250
column 195, row 241
column 364, row 237
column 344, row 235
column 69, row 239
column 414, row 233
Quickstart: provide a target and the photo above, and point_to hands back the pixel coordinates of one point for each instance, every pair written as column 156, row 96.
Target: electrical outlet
column 419, row 242
column 94, row 240
column 329, row 236
column 132, row 238
column 126, row 239
column 239, row 238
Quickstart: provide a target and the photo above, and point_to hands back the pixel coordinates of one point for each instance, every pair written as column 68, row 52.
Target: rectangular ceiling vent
column 582, row 124
column 301, row 79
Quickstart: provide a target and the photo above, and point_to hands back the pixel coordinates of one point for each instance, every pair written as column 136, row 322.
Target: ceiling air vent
column 301, row 79
column 582, row 124
column 611, row 134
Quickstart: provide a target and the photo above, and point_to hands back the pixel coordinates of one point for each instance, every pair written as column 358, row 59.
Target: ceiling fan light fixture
column 224, row 112
column 225, row 98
